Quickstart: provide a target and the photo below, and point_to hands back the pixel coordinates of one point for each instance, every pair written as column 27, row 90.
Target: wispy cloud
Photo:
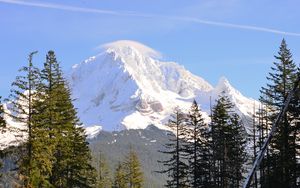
column 238, row 26
column 137, row 14
column 60, row 7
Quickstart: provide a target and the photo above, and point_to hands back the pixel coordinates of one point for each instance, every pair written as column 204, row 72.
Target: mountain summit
column 128, row 86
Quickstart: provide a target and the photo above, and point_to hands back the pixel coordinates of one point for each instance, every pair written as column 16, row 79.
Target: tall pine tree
column 23, row 94
column 104, row 175
column 284, row 145
column 134, row 174
column 228, row 145
column 120, row 177
column 197, row 148
column 69, row 155
column 176, row 165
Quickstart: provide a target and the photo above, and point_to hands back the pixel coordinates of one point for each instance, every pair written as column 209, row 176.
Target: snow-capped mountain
column 128, row 86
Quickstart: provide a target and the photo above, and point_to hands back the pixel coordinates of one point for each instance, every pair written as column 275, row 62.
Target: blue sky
column 211, row 38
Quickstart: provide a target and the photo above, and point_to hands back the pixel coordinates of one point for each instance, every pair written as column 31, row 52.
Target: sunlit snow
column 127, row 86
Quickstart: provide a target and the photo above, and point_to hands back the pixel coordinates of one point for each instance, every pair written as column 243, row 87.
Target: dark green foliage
column 69, row 153
column 146, row 143
column 176, row 166
column 48, row 118
column 56, row 151
column 2, row 129
column 2, row 120
column 120, row 177
column 281, row 167
column 129, row 173
column 228, row 145
column 21, row 104
column 197, row 149
column 80, row 173
column 263, row 127
column 104, row 175
column 132, row 167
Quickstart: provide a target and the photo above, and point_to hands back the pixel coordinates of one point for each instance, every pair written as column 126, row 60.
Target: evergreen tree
column 263, row 128
column 58, row 118
column 254, row 142
column 21, row 104
column 120, row 177
column 197, row 148
column 2, row 129
column 176, row 167
column 134, row 174
column 283, row 147
column 81, row 173
column 104, row 180
column 69, row 153
column 2, row 120
column 56, row 153
column 237, row 153
column 228, row 145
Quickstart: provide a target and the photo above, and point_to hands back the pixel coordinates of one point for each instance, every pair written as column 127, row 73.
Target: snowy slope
column 127, row 86
column 12, row 135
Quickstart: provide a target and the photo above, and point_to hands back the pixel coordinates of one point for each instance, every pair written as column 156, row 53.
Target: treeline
column 53, row 151
column 206, row 155
column 213, row 154
column 127, row 174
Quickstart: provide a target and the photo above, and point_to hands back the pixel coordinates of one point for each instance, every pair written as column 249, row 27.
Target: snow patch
column 92, row 131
